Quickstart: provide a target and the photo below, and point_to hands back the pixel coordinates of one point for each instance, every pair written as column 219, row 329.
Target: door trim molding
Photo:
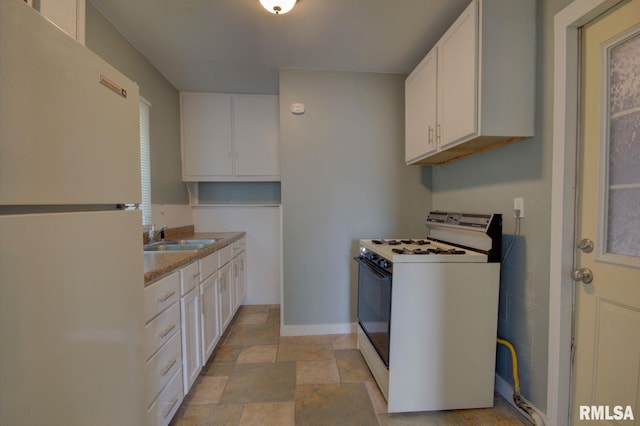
column 563, row 186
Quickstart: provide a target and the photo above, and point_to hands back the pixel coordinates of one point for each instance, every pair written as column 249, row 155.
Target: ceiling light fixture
column 279, row 7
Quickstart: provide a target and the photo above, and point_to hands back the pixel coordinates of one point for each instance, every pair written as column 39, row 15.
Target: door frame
column 563, row 193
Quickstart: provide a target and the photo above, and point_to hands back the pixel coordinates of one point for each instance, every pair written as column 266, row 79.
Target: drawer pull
column 166, row 297
column 194, row 276
column 168, row 367
column 164, row 333
column 172, row 404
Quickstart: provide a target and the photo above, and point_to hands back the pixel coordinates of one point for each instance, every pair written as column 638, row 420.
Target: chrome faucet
column 153, row 234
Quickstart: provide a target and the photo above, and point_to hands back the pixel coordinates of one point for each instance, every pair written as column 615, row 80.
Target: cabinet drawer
column 165, row 406
column 160, row 295
column 160, row 330
column 189, row 277
column 226, row 254
column 239, row 246
column 209, row 265
column 162, row 366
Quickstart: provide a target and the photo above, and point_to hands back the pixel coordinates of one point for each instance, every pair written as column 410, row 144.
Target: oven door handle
column 379, row 272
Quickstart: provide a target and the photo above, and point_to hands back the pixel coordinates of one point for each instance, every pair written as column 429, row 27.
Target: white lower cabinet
column 225, row 304
column 163, row 369
column 165, row 406
column 186, row 314
column 240, row 278
column 191, row 337
column 211, row 330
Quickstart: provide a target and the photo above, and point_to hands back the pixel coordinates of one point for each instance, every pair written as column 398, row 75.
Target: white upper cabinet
column 475, row 89
column 206, row 135
column 256, row 135
column 230, row 137
column 420, row 108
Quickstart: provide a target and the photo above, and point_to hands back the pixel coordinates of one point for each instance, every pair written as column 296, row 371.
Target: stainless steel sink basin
column 180, row 245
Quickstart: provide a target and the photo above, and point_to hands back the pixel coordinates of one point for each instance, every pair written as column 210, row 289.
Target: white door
column 607, row 309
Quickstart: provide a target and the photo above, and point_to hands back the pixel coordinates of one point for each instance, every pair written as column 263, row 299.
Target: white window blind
column 145, row 161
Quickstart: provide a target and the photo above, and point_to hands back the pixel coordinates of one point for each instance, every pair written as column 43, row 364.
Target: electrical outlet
column 518, row 204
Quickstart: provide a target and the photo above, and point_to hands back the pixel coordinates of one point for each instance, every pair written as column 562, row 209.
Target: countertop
column 159, row 264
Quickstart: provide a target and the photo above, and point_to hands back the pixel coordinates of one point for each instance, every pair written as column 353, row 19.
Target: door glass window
column 623, row 192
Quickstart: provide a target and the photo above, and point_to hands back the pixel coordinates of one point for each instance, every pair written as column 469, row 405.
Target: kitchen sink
column 180, row 245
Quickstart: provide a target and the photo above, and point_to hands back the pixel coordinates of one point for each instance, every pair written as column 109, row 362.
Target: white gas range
column 427, row 313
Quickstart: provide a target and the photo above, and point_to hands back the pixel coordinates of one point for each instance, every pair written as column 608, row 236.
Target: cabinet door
column 68, row 15
column 210, row 326
column 240, row 278
column 420, row 108
column 206, row 135
column 191, row 339
column 458, row 79
column 225, row 301
column 256, row 135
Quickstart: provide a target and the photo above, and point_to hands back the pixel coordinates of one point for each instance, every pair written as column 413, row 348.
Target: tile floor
column 256, row 377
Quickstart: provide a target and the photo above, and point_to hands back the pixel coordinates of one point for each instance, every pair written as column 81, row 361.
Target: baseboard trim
column 316, row 329
column 505, row 389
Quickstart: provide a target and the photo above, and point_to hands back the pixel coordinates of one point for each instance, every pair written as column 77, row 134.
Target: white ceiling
column 237, row 46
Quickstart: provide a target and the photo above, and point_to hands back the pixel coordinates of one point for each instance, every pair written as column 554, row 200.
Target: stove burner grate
column 386, row 242
column 417, row 242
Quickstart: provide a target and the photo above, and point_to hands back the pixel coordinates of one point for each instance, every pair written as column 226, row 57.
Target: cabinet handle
column 172, row 404
column 168, row 367
column 430, row 135
column 438, row 132
column 166, row 297
column 194, row 276
column 164, row 333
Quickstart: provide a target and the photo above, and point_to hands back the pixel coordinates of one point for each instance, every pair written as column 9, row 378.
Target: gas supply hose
column 517, row 398
column 514, row 364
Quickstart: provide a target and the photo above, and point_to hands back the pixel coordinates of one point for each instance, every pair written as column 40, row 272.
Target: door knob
column 586, row 245
column 583, row 274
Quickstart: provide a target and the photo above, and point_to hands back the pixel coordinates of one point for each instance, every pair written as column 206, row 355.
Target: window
column 145, row 161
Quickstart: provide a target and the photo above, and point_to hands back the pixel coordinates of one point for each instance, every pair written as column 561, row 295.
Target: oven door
column 374, row 305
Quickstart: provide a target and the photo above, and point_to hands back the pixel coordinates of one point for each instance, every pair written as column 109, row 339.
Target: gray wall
column 343, row 178
column 166, row 169
column 489, row 182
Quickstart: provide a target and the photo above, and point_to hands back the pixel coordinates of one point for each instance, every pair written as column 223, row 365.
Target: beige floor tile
column 334, row 404
column 226, row 353
column 433, row 418
column 267, row 382
column 297, row 351
column 308, row 340
column 273, row 318
column 230, row 391
column 252, row 319
column 257, row 353
column 499, row 416
column 344, row 341
column 206, row 390
column 209, row 415
column 253, row 334
column 268, row 414
column 352, row 366
column 218, row 368
column 317, row 372
column 377, row 399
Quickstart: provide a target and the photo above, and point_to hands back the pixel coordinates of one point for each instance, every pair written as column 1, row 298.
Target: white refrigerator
column 71, row 261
